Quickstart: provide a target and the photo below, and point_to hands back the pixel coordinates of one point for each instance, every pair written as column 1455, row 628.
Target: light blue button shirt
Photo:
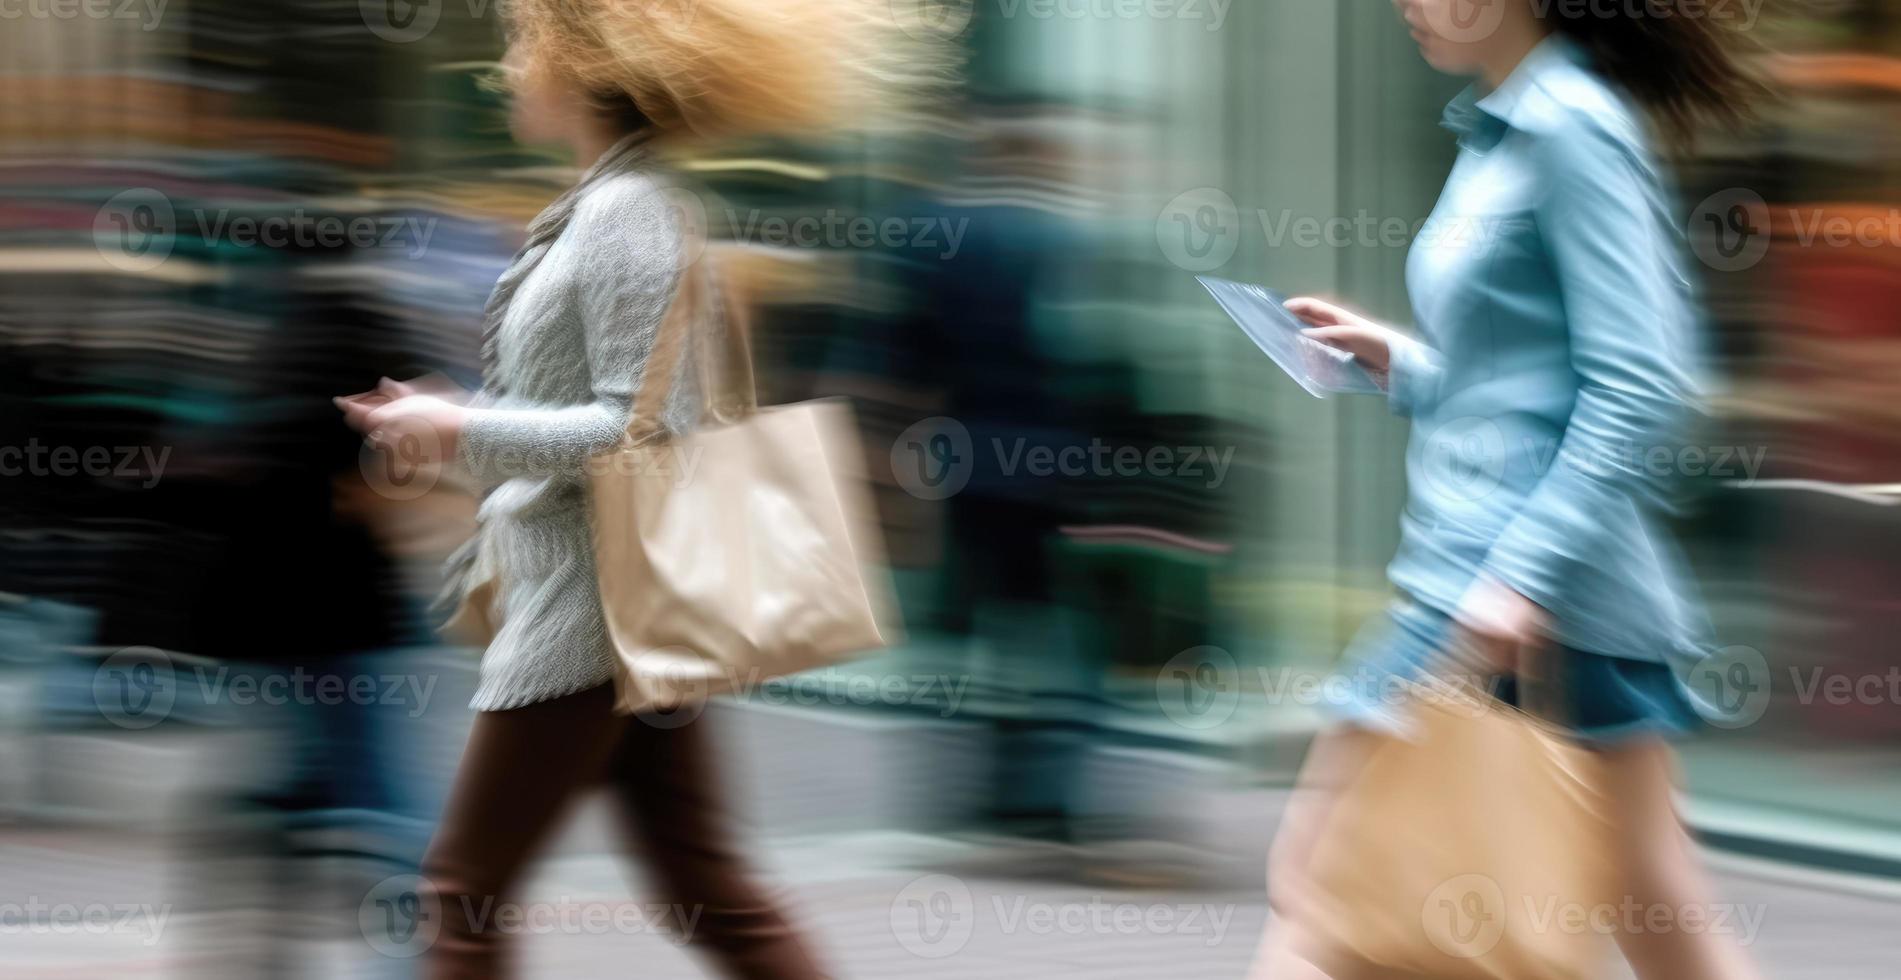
column 1554, row 383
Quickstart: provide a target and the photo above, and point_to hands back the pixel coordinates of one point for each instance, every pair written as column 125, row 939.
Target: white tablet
column 1263, row 316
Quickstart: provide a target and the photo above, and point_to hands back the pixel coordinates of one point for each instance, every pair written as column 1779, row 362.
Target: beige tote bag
column 742, row 551
column 1478, row 848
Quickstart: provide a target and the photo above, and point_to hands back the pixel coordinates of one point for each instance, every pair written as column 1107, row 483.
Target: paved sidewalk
column 879, row 906
column 879, row 903
column 1002, row 912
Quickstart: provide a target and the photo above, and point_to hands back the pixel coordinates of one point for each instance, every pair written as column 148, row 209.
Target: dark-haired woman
column 1554, row 368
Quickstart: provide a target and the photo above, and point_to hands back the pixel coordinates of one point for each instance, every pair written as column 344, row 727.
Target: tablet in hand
column 1262, row 314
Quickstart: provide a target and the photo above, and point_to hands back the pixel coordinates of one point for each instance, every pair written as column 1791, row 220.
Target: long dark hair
column 1684, row 66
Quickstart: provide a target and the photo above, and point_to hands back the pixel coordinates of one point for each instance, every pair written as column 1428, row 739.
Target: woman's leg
column 1277, row 958
column 520, row 771
column 664, row 779
column 1332, row 761
column 1661, row 871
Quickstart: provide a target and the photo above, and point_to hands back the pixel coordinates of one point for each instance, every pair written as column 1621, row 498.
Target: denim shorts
column 1599, row 699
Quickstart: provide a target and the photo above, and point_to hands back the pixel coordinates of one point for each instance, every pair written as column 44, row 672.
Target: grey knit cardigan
column 570, row 328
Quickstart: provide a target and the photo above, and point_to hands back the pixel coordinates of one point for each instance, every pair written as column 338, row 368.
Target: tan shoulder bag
column 743, row 550
column 1472, row 850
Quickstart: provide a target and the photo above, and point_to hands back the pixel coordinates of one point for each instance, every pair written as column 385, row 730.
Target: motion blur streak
column 1123, row 543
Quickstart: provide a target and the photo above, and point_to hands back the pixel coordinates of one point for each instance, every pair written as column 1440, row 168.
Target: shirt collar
column 1480, row 118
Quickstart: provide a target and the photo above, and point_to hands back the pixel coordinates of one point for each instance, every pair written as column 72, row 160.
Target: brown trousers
column 521, row 771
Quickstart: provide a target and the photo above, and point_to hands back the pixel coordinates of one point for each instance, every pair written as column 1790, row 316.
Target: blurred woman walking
column 624, row 85
column 1551, row 294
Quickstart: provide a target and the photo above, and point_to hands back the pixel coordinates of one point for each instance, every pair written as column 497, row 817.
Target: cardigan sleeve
column 620, row 252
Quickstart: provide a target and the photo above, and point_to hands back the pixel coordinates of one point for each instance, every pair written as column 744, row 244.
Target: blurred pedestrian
column 570, row 327
column 1559, row 345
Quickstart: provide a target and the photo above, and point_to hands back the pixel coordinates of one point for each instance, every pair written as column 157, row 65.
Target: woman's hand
column 434, row 383
column 1368, row 342
column 1500, row 623
column 394, row 410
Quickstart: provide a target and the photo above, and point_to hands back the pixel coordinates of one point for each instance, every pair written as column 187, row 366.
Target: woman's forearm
column 500, row 444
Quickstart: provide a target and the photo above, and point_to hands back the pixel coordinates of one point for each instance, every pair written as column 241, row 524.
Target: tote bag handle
column 727, row 388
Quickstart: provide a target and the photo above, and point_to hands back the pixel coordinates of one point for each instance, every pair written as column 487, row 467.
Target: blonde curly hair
column 729, row 68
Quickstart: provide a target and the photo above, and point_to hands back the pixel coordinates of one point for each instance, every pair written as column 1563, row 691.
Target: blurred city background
column 227, row 722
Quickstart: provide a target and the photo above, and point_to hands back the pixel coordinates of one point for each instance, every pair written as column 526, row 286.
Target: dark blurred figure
column 1065, row 570
column 212, row 295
